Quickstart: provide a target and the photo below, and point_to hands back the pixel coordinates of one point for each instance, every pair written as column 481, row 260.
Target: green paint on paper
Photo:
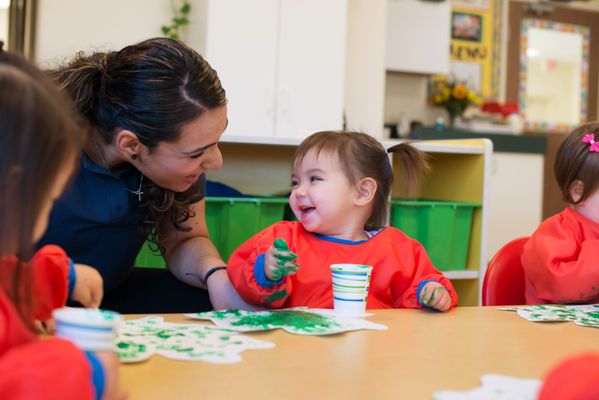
column 129, row 350
column 299, row 321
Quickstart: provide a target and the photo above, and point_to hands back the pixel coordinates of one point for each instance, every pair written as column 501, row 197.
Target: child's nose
column 300, row 190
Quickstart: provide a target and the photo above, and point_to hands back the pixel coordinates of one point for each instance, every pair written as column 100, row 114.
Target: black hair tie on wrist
column 212, row 270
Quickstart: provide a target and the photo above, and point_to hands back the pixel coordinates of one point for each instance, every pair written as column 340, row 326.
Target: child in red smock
column 340, row 187
column 560, row 259
column 39, row 144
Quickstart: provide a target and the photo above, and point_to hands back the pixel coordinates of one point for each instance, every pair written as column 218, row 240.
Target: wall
column 4, row 20
column 66, row 26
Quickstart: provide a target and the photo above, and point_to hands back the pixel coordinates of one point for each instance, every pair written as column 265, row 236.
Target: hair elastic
column 590, row 138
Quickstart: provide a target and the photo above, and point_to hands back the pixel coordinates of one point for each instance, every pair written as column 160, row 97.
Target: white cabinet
column 282, row 63
column 418, row 36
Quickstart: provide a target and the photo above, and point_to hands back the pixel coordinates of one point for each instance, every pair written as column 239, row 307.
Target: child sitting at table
column 39, row 145
column 560, row 258
column 340, row 187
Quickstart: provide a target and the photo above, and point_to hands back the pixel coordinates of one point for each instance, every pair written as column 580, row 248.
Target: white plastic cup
column 90, row 329
column 350, row 288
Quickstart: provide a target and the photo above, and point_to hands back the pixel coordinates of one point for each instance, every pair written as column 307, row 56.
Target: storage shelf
column 464, row 274
column 460, row 172
column 463, row 146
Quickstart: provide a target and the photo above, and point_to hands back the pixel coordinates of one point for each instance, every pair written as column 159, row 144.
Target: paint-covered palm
column 279, row 261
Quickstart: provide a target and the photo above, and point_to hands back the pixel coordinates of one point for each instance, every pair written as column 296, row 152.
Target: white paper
column 495, row 387
column 139, row 339
column 299, row 321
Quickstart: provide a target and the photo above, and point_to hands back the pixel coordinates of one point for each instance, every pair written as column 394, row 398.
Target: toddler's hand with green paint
column 434, row 295
column 278, row 261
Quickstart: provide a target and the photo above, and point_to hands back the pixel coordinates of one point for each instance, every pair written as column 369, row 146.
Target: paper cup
column 90, row 329
column 350, row 288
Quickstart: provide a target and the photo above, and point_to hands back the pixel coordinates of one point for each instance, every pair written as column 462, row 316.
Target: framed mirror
column 554, row 81
column 552, row 66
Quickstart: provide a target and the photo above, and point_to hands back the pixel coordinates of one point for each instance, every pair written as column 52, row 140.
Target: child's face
column 59, row 184
column 322, row 198
column 590, row 207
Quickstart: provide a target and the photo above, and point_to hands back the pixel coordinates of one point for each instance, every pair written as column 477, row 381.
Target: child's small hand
column 434, row 295
column 89, row 288
column 278, row 261
column 47, row 327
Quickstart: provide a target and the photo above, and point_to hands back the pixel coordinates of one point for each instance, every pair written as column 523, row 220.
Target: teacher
column 154, row 112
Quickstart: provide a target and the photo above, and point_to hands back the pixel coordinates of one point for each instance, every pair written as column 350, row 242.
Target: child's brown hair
column 577, row 159
column 38, row 137
column 361, row 156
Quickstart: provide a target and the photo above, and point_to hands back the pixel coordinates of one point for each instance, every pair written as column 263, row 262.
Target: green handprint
column 285, row 259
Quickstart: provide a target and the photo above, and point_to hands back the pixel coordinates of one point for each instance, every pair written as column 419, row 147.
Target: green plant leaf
column 185, row 8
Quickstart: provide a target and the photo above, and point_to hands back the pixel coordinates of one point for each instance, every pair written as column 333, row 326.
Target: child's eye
column 294, row 183
column 197, row 155
column 315, row 178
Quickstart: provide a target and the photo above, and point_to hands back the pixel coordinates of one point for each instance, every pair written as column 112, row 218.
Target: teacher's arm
column 189, row 254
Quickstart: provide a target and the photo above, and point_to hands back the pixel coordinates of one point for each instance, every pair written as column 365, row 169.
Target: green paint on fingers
column 277, row 296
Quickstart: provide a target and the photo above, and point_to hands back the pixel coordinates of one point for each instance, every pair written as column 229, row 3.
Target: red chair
column 504, row 280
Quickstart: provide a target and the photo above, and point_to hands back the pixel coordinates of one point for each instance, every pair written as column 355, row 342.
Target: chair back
column 504, row 280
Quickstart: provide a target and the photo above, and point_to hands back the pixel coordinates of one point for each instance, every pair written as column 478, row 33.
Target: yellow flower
column 437, row 99
column 459, row 92
column 473, row 98
column 445, row 93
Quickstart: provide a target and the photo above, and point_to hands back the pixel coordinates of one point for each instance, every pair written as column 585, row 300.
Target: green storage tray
column 231, row 221
column 443, row 228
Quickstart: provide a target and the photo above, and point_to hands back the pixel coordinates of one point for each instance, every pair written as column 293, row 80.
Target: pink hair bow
column 590, row 138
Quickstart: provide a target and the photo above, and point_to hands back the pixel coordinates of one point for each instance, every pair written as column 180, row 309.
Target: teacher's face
column 177, row 165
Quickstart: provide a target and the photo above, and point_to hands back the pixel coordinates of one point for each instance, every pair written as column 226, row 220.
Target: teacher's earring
column 134, row 156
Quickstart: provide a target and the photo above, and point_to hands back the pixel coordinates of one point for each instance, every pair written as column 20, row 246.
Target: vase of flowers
column 452, row 95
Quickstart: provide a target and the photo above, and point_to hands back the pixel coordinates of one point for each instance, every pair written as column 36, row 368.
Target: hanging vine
column 180, row 20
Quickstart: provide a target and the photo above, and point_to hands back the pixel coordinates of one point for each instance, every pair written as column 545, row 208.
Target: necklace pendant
column 138, row 193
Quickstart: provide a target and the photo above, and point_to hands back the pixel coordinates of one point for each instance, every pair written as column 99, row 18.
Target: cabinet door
column 241, row 39
column 311, row 66
column 418, row 34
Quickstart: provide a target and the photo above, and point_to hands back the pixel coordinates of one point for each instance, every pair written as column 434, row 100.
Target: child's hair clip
column 590, row 138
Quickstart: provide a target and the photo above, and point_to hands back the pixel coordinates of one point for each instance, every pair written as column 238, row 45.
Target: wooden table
column 420, row 353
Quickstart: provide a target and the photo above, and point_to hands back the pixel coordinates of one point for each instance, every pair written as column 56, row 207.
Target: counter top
column 503, row 143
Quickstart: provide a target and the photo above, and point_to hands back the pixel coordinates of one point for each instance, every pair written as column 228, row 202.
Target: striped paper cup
column 350, row 288
column 90, row 329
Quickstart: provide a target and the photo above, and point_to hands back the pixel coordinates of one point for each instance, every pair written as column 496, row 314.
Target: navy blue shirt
column 94, row 220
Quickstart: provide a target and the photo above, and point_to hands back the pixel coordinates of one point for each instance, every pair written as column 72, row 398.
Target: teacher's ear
column 127, row 144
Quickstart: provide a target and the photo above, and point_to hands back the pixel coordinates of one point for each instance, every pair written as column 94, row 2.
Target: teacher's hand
column 223, row 295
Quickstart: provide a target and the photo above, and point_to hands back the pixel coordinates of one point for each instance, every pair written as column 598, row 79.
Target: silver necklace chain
column 137, row 192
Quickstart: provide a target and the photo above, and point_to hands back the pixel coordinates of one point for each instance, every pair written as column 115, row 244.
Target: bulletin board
column 476, row 45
